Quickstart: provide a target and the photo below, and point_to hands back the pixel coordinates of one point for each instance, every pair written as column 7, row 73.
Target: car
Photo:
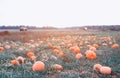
column 23, row 29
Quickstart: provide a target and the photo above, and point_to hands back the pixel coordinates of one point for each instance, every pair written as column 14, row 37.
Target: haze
column 59, row 13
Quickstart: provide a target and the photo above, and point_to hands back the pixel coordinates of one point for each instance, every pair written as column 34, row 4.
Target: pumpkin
column 20, row 59
column 38, row 66
column 78, row 56
column 72, row 48
column 20, row 49
column 96, row 46
column 30, row 54
column 89, row 46
column 76, row 50
column 14, row 62
column 90, row 54
column 115, row 46
column 69, row 45
column 58, row 67
column 33, row 57
column 104, row 44
column 1, row 49
column 110, row 43
column 56, row 47
column 7, row 46
column 93, row 49
column 60, row 54
column 56, row 50
column 97, row 67
column 105, row 70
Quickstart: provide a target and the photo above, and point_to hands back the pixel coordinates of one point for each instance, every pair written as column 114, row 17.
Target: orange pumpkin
column 90, row 54
column 72, row 48
column 56, row 47
column 76, row 50
column 69, row 45
column 28, row 50
column 56, row 50
column 105, row 70
column 20, row 59
column 78, row 56
column 33, row 57
column 115, row 46
column 14, row 62
column 58, row 67
column 104, row 44
column 96, row 46
column 93, row 49
column 89, row 46
column 1, row 49
column 38, row 66
column 97, row 67
column 30, row 54
column 60, row 54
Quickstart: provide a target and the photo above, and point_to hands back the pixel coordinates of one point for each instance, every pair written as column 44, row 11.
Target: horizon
column 59, row 14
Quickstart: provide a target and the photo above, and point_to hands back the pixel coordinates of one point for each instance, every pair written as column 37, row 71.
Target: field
column 57, row 50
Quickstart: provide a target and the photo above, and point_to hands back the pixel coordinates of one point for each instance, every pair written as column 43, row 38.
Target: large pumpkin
column 105, row 70
column 114, row 46
column 38, row 66
column 90, row 54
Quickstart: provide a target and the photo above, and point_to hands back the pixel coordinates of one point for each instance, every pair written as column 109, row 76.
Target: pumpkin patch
column 60, row 54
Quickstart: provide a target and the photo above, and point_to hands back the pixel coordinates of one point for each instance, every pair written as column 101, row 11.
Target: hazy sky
column 59, row 12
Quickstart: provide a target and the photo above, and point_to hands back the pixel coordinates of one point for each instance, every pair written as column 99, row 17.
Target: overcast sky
column 59, row 13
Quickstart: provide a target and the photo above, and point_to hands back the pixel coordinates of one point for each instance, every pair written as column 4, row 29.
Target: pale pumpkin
column 105, row 70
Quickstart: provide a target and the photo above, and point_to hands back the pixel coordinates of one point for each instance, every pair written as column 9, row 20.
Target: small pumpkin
column 72, row 48
column 57, row 66
column 7, row 46
column 69, row 45
column 104, row 44
column 89, row 46
column 60, row 54
column 20, row 59
column 97, row 67
column 93, row 49
column 78, row 56
column 96, row 46
column 76, row 50
column 38, row 66
column 30, row 54
column 56, row 47
column 14, row 62
column 1, row 49
column 33, row 57
column 105, row 70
